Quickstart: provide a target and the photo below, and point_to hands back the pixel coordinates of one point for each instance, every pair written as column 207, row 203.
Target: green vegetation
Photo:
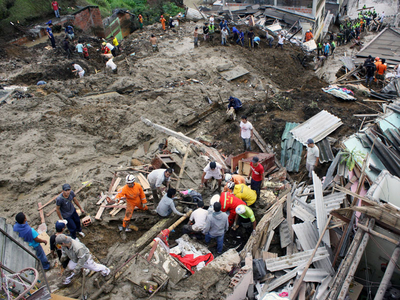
column 24, row 12
column 351, row 157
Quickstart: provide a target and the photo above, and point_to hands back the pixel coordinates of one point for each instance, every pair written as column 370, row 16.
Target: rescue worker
column 245, row 215
column 236, row 178
column 257, row 175
column 140, row 18
column 229, row 202
column 80, row 258
column 135, row 197
column 381, row 70
column 243, row 192
column 319, row 49
column 162, row 20
column 309, row 35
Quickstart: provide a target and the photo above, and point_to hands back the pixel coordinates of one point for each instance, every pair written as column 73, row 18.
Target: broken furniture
column 242, row 161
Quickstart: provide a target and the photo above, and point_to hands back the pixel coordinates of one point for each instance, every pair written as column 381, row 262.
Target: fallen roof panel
column 386, row 44
column 325, row 151
column 234, row 73
column 317, row 127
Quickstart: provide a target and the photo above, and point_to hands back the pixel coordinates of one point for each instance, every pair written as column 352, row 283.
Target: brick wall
column 89, row 20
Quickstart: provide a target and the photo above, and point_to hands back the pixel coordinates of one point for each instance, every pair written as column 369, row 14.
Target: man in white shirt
column 157, row 178
column 246, row 133
column 197, row 221
column 78, row 69
column 110, row 64
column 281, row 40
column 312, row 156
column 212, row 170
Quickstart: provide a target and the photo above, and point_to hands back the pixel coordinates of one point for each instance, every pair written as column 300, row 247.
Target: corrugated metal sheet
column 332, row 201
column 294, row 260
column 314, row 275
column 348, row 62
column 317, row 127
column 329, row 175
column 322, row 215
column 322, row 289
column 291, row 149
column 307, row 234
column 284, row 234
column 386, row 44
column 285, row 278
column 325, row 151
column 11, row 255
column 299, row 212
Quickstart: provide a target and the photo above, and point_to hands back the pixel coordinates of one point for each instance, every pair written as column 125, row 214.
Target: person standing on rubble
column 243, row 192
column 246, row 133
column 31, row 236
column 281, row 40
column 212, row 170
column 167, row 206
column 66, row 210
column 369, row 71
column 162, row 20
column 80, row 258
column 224, row 36
column 140, row 18
column 197, row 220
column 257, row 175
column 312, row 156
column 153, row 41
column 216, row 226
column 309, row 36
column 54, row 247
column 250, row 36
column 49, row 32
column 270, row 39
column 381, row 70
column 211, row 31
column 54, row 5
column 244, row 216
column 66, row 47
column 235, row 33
column 157, row 178
column 206, row 31
column 135, row 197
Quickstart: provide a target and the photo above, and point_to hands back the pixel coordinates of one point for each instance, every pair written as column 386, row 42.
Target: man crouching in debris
column 212, row 170
column 157, row 178
column 79, row 256
column 135, row 197
column 312, row 156
column 216, row 226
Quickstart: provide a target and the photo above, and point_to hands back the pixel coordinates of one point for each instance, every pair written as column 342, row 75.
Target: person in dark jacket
column 370, row 72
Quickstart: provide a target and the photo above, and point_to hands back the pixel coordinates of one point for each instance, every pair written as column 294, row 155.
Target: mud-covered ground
column 72, row 130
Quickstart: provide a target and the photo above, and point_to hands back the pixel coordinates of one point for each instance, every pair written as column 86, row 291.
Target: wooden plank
column 143, row 181
column 183, row 166
column 101, row 210
column 116, row 183
column 46, row 248
column 42, row 220
column 50, row 212
column 102, row 198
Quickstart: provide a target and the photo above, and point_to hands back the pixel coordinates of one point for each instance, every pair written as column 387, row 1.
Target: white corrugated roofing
column 317, row 127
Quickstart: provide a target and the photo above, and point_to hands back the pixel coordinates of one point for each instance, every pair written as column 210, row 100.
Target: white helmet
column 231, row 185
column 228, row 177
column 240, row 209
column 130, row 178
column 214, row 199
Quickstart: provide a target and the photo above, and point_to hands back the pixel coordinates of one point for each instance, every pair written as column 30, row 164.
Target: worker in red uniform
column 140, row 18
column 229, row 202
column 162, row 20
column 309, row 35
column 135, row 197
column 257, row 175
column 54, row 5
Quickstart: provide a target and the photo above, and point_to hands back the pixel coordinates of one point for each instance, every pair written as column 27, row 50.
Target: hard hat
column 228, row 177
column 162, row 16
column 214, row 199
column 377, row 58
column 130, row 178
column 104, row 43
column 231, row 185
column 240, row 209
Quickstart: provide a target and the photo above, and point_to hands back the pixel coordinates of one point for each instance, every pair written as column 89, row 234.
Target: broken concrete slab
column 236, row 72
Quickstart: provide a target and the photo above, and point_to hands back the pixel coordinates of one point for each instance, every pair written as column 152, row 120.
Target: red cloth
column 189, row 261
column 257, row 172
column 55, row 5
column 229, row 202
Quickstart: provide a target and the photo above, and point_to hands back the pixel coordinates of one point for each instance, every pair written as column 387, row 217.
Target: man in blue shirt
column 49, row 32
column 234, row 103
column 31, row 236
column 66, row 210
column 69, row 30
